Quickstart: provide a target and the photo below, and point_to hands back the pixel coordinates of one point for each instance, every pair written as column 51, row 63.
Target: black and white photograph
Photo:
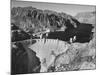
column 52, row 37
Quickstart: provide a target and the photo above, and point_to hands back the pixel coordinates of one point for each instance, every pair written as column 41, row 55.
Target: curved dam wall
column 47, row 50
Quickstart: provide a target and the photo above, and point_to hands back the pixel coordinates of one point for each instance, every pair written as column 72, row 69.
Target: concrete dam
column 47, row 50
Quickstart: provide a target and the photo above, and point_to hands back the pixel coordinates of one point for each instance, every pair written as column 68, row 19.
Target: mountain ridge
column 31, row 19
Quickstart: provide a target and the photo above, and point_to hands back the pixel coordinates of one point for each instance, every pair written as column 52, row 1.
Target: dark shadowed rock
column 23, row 60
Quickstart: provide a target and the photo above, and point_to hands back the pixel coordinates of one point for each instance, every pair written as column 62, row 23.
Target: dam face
column 47, row 50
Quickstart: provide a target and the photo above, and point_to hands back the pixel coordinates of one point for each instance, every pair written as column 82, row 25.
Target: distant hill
column 87, row 17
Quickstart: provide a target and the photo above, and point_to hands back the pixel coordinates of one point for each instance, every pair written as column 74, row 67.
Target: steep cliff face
column 34, row 20
column 24, row 60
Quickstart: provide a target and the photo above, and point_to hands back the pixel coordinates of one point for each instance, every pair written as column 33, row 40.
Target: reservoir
column 83, row 33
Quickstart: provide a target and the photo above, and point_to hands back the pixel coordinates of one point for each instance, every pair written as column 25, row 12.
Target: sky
column 71, row 9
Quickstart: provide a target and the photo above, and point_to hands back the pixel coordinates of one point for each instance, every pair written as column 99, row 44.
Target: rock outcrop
column 23, row 59
column 34, row 20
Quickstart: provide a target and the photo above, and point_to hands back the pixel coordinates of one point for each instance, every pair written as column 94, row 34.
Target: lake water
column 83, row 33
